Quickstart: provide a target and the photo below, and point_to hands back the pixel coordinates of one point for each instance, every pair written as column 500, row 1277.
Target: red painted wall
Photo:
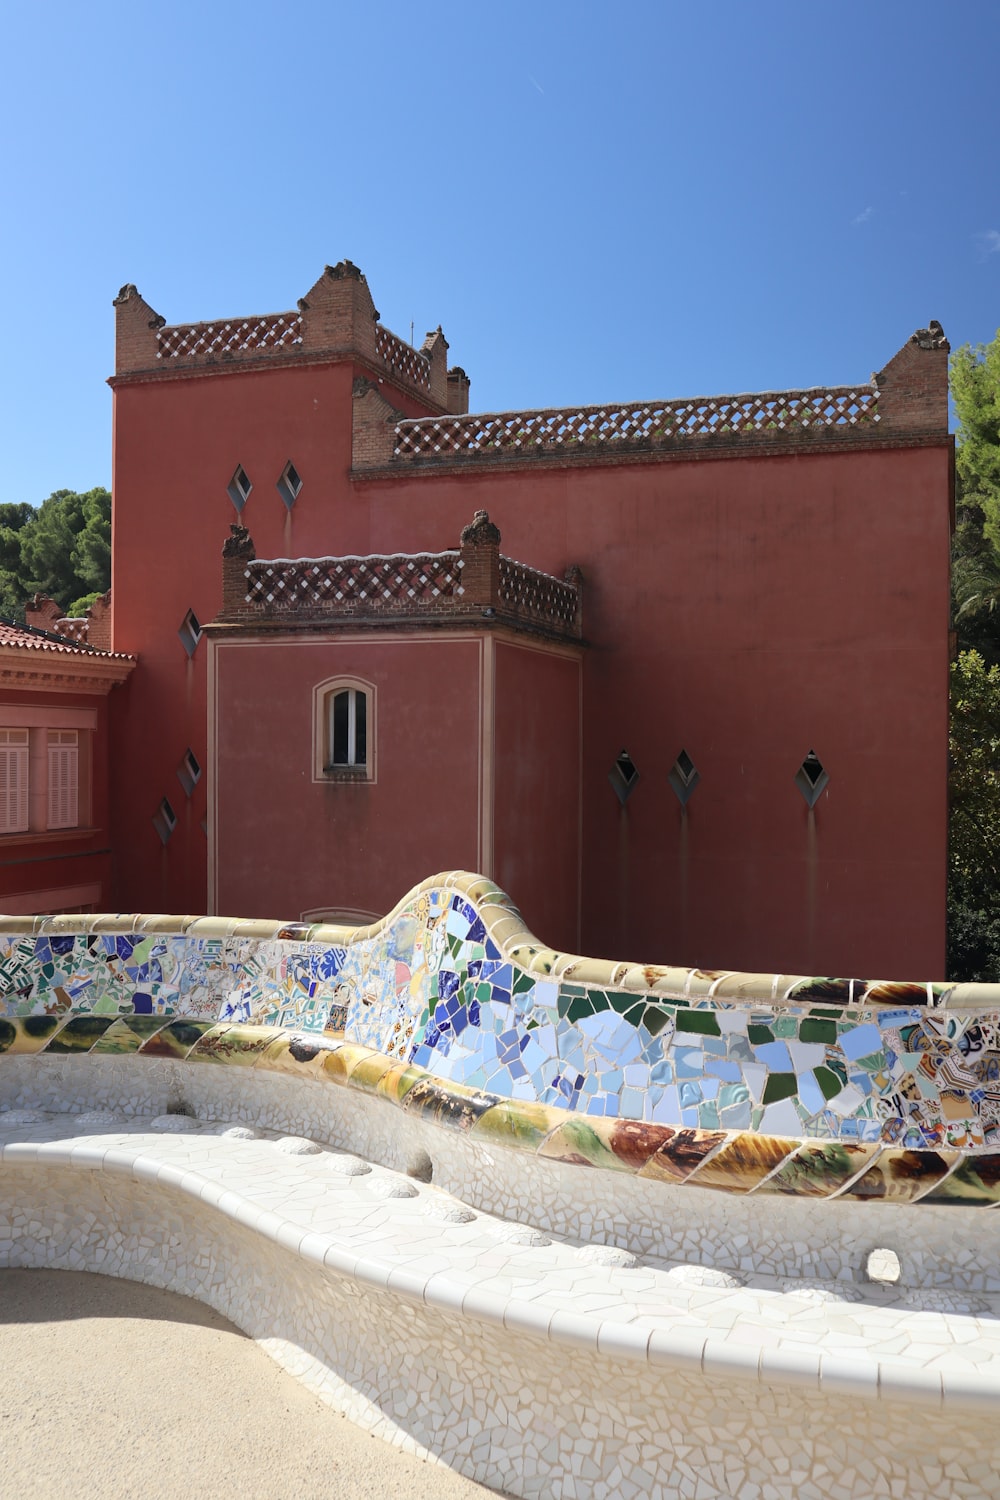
column 34, row 864
column 746, row 609
column 177, row 445
column 536, row 781
column 286, row 844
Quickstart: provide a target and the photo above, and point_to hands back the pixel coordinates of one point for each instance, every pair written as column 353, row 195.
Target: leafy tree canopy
column 975, row 391
column 62, row 549
column 974, row 834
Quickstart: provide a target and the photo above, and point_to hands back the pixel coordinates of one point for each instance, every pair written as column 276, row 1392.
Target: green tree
column 64, row 548
column 975, row 392
column 13, row 519
column 974, row 831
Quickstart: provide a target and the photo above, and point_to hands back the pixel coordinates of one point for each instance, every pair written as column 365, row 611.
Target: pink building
column 757, row 773
column 55, row 841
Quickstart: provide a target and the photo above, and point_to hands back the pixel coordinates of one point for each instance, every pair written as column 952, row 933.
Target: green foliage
column 62, row 549
column 974, row 834
column 78, row 607
column 975, row 391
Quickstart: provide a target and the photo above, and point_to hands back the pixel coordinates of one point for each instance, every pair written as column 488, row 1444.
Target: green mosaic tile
column 813, row 1030
column 779, row 1086
column 699, row 1022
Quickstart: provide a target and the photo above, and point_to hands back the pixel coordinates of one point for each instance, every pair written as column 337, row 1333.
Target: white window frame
column 14, row 781
column 324, row 695
column 42, row 730
column 63, row 787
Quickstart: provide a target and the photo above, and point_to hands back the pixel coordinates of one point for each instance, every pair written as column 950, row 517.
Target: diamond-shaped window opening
column 165, row 821
column 683, row 776
column 289, row 484
column 189, row 772
column 623, row 777
column 190, row 632
column 811, row 779
column 239, row 488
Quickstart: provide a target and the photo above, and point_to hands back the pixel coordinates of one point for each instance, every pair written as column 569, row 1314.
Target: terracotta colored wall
column 748, row 611
column 177, row 444
column 63, row 860
column 536, row 804
column 745, row 609
column 286, row 845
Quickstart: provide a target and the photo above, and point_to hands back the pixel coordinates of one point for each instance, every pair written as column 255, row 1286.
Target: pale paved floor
column 110, row 1390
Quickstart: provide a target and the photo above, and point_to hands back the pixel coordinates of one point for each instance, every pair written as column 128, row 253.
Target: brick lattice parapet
column 471, row 583
column 906, row 401
column 336, row 317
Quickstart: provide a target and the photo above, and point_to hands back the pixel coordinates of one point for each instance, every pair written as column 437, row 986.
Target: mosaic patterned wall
column 453, row 994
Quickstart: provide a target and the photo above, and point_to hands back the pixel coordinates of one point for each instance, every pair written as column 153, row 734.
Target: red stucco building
column 728, row 749
column 55, row 836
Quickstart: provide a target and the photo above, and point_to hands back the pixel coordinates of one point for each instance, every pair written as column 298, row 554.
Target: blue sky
column 596, row 202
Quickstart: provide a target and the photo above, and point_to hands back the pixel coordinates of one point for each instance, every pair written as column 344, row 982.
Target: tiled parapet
column 449, row 1009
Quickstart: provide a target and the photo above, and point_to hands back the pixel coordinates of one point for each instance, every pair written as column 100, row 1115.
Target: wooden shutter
column 64, row 778
column 13, row 780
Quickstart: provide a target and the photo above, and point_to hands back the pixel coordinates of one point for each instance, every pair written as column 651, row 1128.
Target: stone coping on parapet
column 506, row 928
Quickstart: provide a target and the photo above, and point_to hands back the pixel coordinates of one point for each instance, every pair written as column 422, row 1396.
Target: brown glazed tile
column 26, row 1034
column 448, row 1103
column 819, row 1168
column 678, row 1157
column 635, row 1141
column 176, row 1038
column 901, row 1176
column 303, row 1054
column 975, row 1182
column 744, row 1161
column 239, row 1046
column 887, row 992
column 80, row 1033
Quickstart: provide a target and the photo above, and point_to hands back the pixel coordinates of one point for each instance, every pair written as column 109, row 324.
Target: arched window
column 344, row 730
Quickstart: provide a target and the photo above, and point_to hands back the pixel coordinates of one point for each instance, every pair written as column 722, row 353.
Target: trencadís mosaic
column 744, row 1082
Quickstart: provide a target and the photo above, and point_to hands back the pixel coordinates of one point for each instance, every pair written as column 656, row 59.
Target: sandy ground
column 110, row 1390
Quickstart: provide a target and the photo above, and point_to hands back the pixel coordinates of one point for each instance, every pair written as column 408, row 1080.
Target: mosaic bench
column 751, row 1137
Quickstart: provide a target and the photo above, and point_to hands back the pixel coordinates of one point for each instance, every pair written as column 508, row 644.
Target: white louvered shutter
column 64, row 778
column 13, row 780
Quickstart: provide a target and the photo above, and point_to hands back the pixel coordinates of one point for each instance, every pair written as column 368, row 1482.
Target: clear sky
column 597, row 201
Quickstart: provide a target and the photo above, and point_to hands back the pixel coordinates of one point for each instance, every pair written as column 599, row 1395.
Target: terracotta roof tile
column 28, row 638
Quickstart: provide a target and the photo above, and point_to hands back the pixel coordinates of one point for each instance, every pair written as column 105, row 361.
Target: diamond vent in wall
column 623, row 777
column 165, row 821
column 811, row 779
column 683, row 776
column 190, row 632
column 289, row 484
column 239, row 488
column 189, row 772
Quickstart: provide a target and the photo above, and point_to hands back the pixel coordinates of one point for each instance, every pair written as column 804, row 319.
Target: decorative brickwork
column 272, row 333
column 473, row 582
column 356, row 583
column 336, row 318
column 90, row 629
column 588, row 428
column 909, row 397
column 402, row 359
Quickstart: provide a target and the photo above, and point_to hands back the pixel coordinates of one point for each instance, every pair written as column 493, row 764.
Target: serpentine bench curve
column 726, row 1127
